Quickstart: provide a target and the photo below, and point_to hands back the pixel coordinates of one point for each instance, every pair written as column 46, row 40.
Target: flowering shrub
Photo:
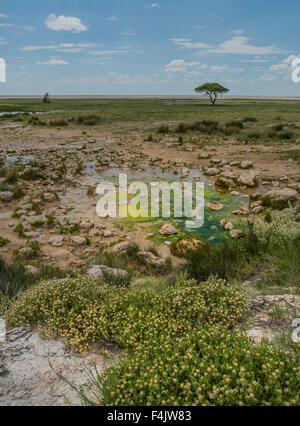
column 282, row 228
column 181, row 347
column 83, row 310
column 208, row 366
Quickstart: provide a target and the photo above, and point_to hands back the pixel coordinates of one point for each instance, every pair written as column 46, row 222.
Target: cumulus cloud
column 65, row 23
column 54, row 62
column 179, row 65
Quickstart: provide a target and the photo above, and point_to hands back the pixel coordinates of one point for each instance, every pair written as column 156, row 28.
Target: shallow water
column 78, row 202
column 18, row 112
column 25, row 159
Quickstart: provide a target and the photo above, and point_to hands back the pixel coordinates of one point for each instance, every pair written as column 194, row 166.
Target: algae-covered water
column 211, row 230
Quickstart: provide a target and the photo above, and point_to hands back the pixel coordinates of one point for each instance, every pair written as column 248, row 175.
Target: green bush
column 58, row 122
column 222, row 260
column 16, row 189
column 88, row 120
column 83, row 310
column 163, row 128
column 235, row 123
column 181, row 128
column 250, row 120
column 206, row 367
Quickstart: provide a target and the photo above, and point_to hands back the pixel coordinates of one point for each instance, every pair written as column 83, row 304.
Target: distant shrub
column 278, row 127
column 148, row 138
column 3, row 241
column 163, row 128
column 10, row 174
column 235, row 123
column 286, row 135
column 182, row 128
column 58, row 122
column 254, row 135
column 250, row 120
column 88, row 120
column 36, row 121
column 17, row 190
column 228, row 130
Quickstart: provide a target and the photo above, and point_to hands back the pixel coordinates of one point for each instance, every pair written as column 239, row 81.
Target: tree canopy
column 213, row 90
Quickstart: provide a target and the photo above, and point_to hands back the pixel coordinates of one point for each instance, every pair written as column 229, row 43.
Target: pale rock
column 168, row 229
column 78, row 241
column 56, row 241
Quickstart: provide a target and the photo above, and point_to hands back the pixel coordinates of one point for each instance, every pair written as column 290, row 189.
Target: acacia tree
column 213, row 90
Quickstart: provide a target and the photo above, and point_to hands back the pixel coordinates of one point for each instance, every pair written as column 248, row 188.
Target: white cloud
column 222, row 68
column 255, row 61
column 112, row 19
column 2, row 15
column 179, row 65
column 240, row 45
column 109, row 52
column 285, row 65
column 34, row 48
column 3, row 40
column 27, row 28
column 65, row 23
column 186, row 43
column 61, row 47
column 54, row 62
column 237, row 32
column 152, row 6
column 268, row 77
column 6, row 25
column 237, row 45
column 128, row 32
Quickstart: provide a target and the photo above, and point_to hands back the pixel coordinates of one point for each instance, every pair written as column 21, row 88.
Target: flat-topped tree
column 213, row 90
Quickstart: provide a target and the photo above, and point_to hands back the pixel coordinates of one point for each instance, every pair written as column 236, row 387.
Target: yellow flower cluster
column 180, row 347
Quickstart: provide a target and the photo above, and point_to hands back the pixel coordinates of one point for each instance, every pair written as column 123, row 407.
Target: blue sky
column 149, row 47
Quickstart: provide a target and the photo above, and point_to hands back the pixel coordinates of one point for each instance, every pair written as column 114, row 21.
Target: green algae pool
column 211, row 230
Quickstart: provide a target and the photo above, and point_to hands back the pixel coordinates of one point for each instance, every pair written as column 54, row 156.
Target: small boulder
column 150, row 258
column 123, row 247
column 246, row 165
column 285, row 194
column 56, row 241
column 212, row 171
column 248, row 179
column 102, row 271
column 6, row 196
column 168, row 229
column 215, row 206
column 78, row 241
